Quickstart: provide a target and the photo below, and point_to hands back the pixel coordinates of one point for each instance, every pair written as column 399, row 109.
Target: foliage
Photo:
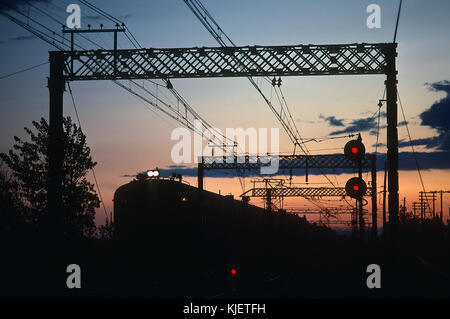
column 28, row 164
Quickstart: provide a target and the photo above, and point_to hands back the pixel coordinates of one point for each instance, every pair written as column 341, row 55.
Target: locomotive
column 175, row 240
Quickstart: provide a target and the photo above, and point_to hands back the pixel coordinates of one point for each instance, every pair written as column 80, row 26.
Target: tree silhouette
column 28, row 163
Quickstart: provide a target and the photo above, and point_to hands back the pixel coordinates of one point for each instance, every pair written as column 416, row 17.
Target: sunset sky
column 126, row 137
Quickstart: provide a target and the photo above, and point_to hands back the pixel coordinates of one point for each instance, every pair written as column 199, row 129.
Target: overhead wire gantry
column 152, row 63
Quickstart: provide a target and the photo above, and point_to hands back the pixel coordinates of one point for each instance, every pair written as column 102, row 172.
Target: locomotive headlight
column 153, row 173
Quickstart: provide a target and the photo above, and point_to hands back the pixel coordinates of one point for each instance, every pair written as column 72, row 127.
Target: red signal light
column 354, row 150
column 355, row 188
column 233, row 271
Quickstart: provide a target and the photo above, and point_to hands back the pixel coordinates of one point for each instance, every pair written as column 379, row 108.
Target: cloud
column 177, row 166
column 101, row 18
column 358, row 125
column 124, row 16
column 438, row 118
column 6, row 5
column 403, row 123
column 332, row 120
column 22, row 38
column 95, row 17
column 428, row 142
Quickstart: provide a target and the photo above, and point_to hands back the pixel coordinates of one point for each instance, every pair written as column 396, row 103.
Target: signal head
column 354, row 150
column 356, row 187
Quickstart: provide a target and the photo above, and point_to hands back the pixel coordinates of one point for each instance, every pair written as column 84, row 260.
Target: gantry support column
column 56, row 84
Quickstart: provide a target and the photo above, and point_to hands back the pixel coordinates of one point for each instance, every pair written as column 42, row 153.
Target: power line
column 291, row 129
column 38, row 33
column 398, row 19
column 23, row 70
column 214, row 29
column 412, row 145
column 42, row 35
column 92, row 169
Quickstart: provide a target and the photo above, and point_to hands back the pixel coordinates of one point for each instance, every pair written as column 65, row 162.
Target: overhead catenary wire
column 138, row 44
column 168, row 85
column 92, row 169
column 403, row 112
column 177, row 95
column 215, row 30
column 46, row 38
column 412, row 146
column 398, row 19
column 38, row 33
column 51, row 17
column 22, row 70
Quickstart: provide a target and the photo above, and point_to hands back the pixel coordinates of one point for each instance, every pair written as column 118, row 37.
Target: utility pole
column 434, row 201
column 422, row 213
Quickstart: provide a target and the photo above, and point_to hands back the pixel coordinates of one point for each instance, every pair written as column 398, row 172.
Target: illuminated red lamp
column 354, row 150
column 233, row 271
column 355, row 188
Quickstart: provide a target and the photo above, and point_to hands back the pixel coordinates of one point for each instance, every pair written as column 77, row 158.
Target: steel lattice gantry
column 227, row 61
column 306, row 162
column 306, row 192
column 329, row 161
column 292, row 60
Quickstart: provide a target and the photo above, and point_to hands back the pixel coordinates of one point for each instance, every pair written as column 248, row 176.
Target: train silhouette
column 174, row 240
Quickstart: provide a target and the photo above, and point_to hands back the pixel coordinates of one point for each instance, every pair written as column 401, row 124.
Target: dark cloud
column 6, row 5
column 102, row 18
column 428, row 142
column 95, row 17
column 22, row 38
column 305, row 121
column 438, row 118
column 358, row 125
column 426, row 160
column 438, row 115
column 332, row 120
column 125, row 16
column 177, row 166
column 374, row 131
column 128, row 175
